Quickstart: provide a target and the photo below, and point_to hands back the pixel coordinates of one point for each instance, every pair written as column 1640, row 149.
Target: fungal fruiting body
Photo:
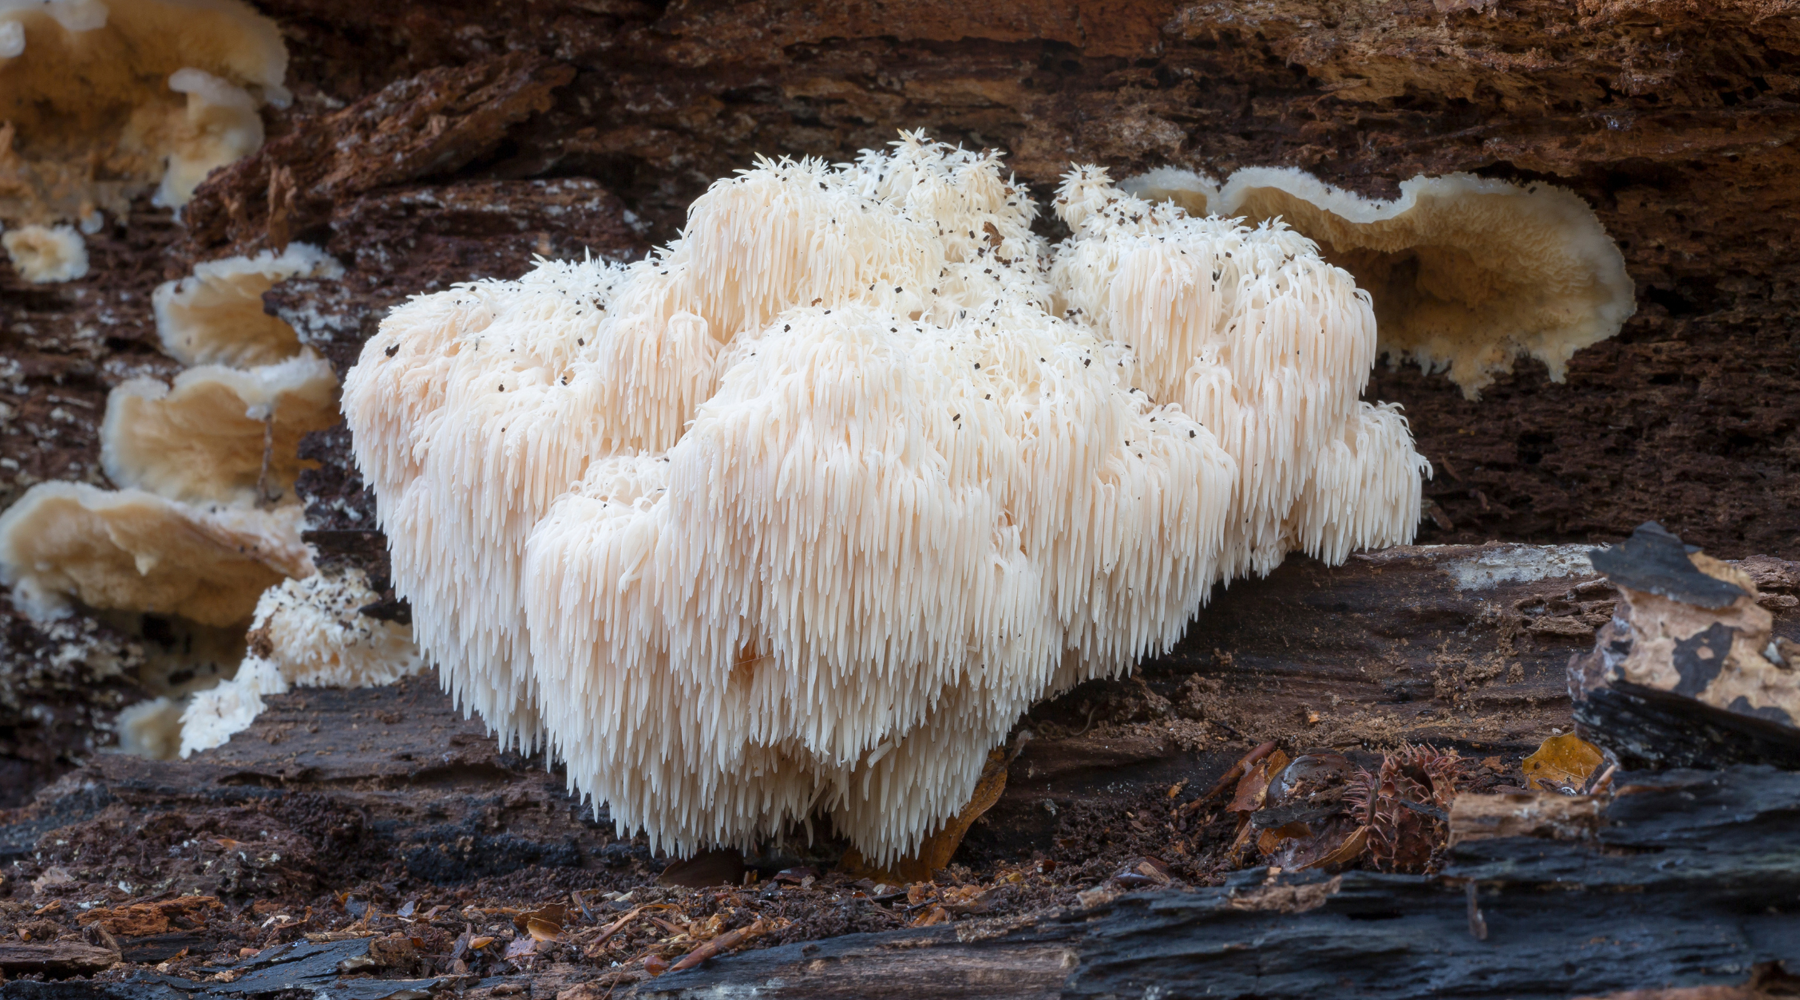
column 136, row 551
column 218, row 434
column 45, row 254
column 215, row 315
column 1267, row 346
column 308, row 632
column 206, row 518
column 799, row 515
column 1467, row 273
column 103, row 99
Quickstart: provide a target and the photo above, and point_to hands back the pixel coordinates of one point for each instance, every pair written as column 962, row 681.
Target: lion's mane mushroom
column 103, row 100
column 307, row 632
column 45, row 254
column 215, row 315
column 1267, row 346
column 219, row 434
column 802, row 512
column 1467, row 273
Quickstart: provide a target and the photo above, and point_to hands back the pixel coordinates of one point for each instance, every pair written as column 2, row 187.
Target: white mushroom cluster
column 308, row 632
column 798, row 515
column 204, row 530
column 103, row 99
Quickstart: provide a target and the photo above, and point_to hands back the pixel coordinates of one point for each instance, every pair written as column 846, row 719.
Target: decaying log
column 1421, row 644
column 56, row 958
column 1413, row 644
column 1689, row 672
column 1692, row 873
column 430, row 144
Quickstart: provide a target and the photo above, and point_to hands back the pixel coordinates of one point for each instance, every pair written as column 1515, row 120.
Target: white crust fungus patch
column 151, row 728
column 215, row 315
column 307, row 633
column 219, row 434
column 1467, row 273
column 46, row 254
column 107, row 98
column 799, row 514
column 1498, row 564
column 135, row 551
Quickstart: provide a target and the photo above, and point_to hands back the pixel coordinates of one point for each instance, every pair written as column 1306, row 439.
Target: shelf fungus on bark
column 1688, row 673
column 215, row 316
column 1467, row 273
column 131, row 550
column 46, row 254
column 103, row 100
column 799, row 514
column 218, row 434
column 205, row 519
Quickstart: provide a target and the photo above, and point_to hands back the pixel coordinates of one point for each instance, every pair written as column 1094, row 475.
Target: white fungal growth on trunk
column 801, row 513
column 307, row 632
column 103, row 99
column 1467, row 273
column 46, row 254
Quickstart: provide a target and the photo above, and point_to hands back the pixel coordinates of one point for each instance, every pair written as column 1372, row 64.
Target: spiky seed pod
column 1404, row 804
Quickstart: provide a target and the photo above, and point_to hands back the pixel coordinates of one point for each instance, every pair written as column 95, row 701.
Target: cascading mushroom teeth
column 800, row 514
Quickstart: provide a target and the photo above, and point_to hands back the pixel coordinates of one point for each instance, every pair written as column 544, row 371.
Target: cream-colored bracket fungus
column 1467, row 273
column 132, row 550
column 45, row 254
column 102, row 99
column 215, row 315
column 205, row 519
column 798, row 515
column 218, row 434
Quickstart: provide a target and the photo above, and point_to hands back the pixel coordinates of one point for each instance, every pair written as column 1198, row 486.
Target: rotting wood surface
column 333, row 795
column 1677, row 122
column 1691, row 873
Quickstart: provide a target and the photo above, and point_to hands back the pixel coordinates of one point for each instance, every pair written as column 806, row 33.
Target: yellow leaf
column 1562, row 764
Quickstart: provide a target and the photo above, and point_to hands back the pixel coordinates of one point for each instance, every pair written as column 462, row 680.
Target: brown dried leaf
column 1253, row 787
column 931, row 917
column 550, row 913
column 1352, row 848
column 1272, row 838
column 521, row 947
